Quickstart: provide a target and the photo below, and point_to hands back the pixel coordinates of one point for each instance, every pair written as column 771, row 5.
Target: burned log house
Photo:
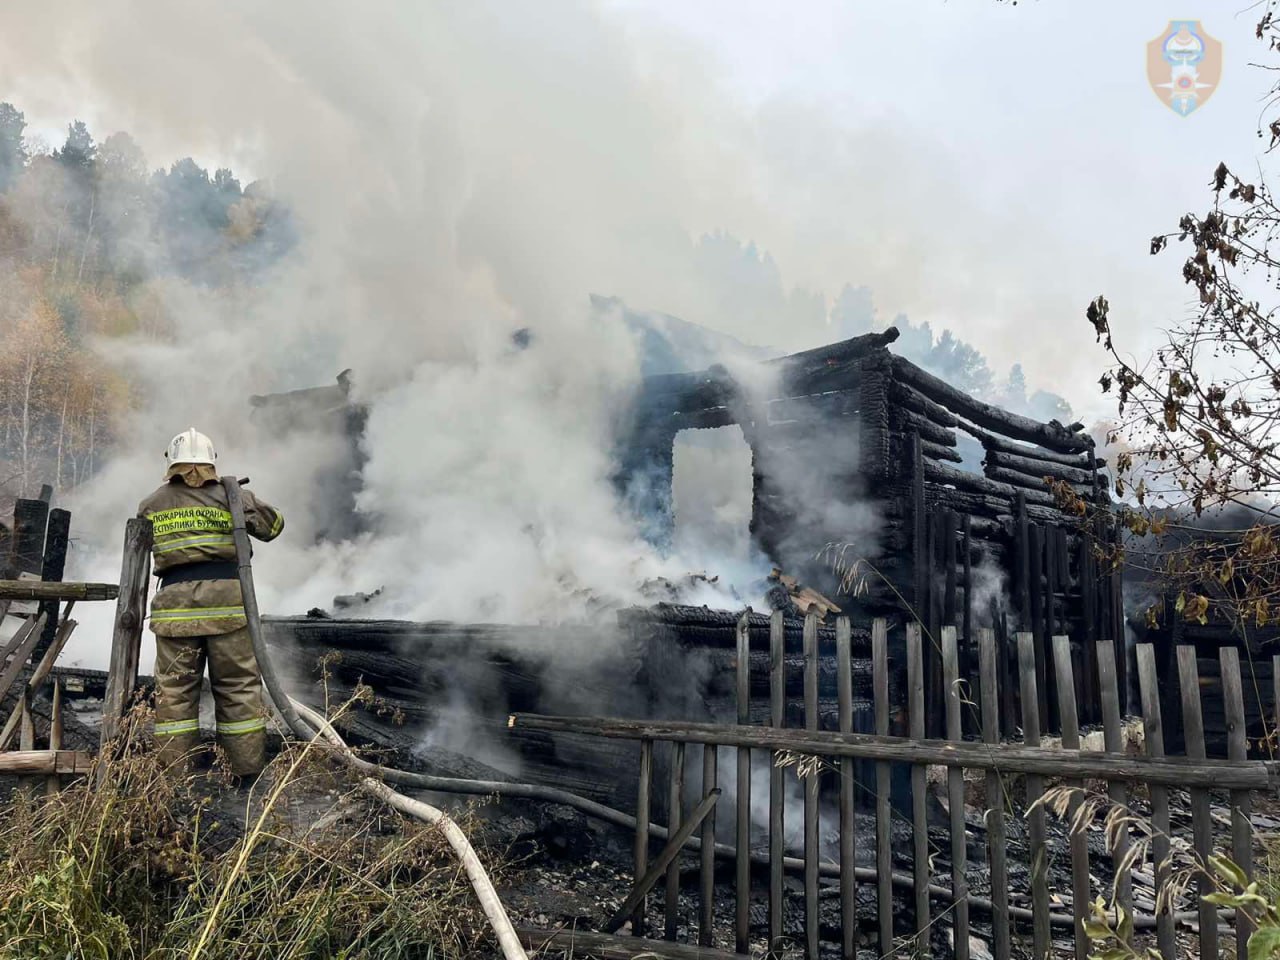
column 957, row 545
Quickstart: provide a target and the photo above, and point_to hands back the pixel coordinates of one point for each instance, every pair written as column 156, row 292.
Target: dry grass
column 134, row 866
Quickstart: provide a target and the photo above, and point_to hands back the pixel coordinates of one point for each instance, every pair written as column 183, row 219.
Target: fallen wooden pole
column 1008, row 758
column 21, row 649
column 580, row 943
column 45, row 762
column 664, row 860
column 55, row 591
column 38, row 677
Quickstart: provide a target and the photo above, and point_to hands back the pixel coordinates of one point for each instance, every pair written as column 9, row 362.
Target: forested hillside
column 92, row 241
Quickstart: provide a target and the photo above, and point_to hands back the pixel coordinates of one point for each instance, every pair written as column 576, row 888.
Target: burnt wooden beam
column 969, row 755
column 1030, row 482
column 1052, row 435
column 917, row 402
column 976, row 482
column 1082, row 461
column 800, row 369
column 996, row 507
column 935, row 451
column 1039, row 469
column 911, row 422
column 37, row 590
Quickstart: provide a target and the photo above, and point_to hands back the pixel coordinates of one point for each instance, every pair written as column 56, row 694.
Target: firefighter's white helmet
column 191, row 446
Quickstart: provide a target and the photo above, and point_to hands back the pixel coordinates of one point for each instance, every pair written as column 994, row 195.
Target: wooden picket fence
column 1034, row 763
column 32, row 561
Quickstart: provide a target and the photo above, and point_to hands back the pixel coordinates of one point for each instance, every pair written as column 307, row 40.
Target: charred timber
column 934, row 451
column 1040, row 468
column 1052, row 435
column 917, row 402
column 722, row 624
column 963, row 480
column 1081, row 461
column 873, row 408
column 910, row 422
column 801, row 371
column 1028, row 482
column 1004, row 757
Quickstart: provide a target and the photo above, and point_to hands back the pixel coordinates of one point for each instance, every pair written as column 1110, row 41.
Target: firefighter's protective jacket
column 192, row 528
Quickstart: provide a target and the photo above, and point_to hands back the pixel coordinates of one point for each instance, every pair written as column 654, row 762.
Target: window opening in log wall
column 711, row 496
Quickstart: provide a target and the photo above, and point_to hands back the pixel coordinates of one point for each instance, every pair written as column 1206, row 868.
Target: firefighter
column 197, row 614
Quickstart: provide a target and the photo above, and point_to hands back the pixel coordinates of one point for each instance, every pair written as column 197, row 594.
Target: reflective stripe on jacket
column 193, row 525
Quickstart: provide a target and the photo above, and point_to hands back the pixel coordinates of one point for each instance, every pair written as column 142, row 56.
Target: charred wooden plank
column 935, row 451
column 1052, row 435
column 915, row 401
column 1083, row 460
column 30, row 518
column 1039, row 469
column 910, row 422
column 977, row 483
column 1011, row 758
column 53, row 566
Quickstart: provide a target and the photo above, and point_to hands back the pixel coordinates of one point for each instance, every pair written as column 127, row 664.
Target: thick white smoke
column 457, row 171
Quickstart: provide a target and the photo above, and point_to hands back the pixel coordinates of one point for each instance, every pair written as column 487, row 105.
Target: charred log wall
column 443, row 690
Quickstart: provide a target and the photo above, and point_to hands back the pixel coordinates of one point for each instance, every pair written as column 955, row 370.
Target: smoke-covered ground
column 457, row 171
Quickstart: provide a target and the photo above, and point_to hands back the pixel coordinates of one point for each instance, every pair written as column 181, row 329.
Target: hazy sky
column 980, row 165
column 1038, row 115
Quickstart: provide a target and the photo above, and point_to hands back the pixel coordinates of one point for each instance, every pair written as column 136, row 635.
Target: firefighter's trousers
column 237, row 695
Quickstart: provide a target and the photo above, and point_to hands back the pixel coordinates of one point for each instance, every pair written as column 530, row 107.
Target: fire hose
column 293, row 713
column 494, row 911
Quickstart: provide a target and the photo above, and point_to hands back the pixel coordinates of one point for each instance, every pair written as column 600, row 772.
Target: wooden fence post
column 126, row 638
column 53, row 566
column 29, row 520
